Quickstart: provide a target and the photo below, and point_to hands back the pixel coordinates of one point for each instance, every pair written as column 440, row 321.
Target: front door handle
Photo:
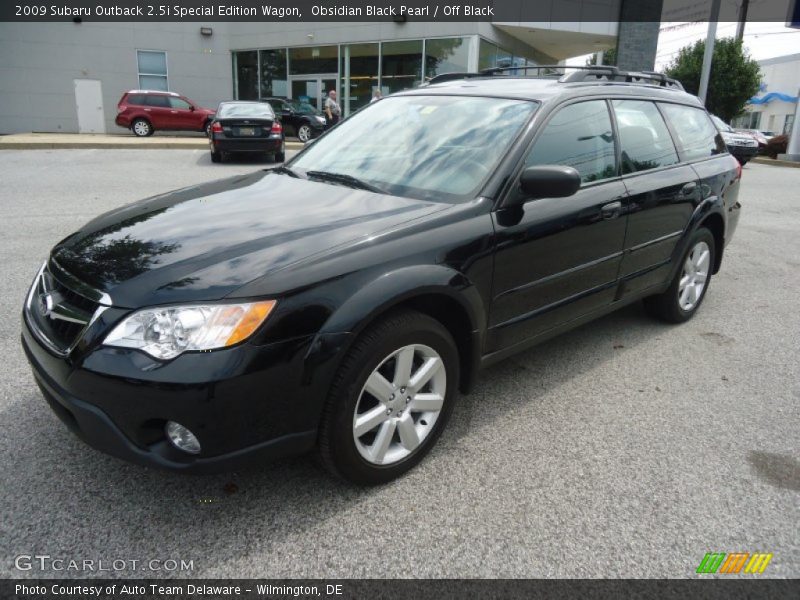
column 611, row 210
column 688, row 189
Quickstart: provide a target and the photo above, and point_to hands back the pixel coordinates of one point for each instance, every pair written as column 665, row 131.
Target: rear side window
column 580, row 136
column 136, row 99
column 155, row 100
column 697, row 136
column 644, row 140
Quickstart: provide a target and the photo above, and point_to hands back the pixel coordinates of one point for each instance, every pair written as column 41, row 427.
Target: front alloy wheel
column 304, row 133
column 399, row 404
column 390, row 399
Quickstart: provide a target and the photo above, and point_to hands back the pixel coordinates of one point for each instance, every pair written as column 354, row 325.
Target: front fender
column 379, row 296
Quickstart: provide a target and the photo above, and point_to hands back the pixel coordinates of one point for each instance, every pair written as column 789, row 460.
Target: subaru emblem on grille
column 46, row 304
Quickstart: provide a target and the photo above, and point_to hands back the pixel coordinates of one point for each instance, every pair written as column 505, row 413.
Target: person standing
column 332, row 110
column 376, row 95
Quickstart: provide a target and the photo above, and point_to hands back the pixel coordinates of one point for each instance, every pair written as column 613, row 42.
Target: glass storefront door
column 312, row 88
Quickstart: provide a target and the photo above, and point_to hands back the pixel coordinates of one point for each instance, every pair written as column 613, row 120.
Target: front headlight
column 167, row 331
column 321, row 119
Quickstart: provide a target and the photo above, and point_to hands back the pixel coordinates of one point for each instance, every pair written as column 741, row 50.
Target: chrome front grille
column 57, row 313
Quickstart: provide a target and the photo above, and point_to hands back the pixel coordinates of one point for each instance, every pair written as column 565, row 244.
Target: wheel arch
column 435, row 290
column 716, row 225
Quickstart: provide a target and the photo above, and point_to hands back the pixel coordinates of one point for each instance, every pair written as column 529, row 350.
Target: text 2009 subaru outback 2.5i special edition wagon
column 341, row 301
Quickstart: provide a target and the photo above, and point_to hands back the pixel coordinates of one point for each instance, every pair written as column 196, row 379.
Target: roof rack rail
column 579, row 73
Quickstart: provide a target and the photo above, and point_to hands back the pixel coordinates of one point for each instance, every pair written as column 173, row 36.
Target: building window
column 487, row 55
column 152, row 70
column 313, row 60
column 446, row 55
column 360, row 74
column 274, row 82
column 246, row 75
column 401, row 67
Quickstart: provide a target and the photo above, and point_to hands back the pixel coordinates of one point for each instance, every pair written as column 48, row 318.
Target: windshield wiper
column 285, row 171
column 345, row 180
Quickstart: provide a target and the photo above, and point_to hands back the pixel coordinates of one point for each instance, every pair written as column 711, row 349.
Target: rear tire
column 216, row 157
column 683, row 297
column 393, row 354
column 280, row 156
column 141, row 128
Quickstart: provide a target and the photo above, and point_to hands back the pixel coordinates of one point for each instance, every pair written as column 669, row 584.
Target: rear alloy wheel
column 141, row 128
column 304, row 133
column 688, row 288
column 391, row 399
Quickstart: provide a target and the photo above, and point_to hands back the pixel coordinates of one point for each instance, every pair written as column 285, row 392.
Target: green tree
column 609, row 58
column 735, row 77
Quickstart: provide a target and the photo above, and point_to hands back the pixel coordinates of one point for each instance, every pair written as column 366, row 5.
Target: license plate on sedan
column 247, row 131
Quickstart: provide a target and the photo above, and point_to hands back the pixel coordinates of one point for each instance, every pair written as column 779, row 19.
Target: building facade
column 68, row 77
column 773, row 108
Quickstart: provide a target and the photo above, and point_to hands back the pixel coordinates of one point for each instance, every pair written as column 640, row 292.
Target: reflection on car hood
column 203, row 242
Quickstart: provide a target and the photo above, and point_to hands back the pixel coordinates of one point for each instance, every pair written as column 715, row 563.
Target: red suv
column 144, row 111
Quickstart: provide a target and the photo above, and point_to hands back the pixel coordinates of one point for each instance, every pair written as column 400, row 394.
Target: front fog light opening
column 183, row 439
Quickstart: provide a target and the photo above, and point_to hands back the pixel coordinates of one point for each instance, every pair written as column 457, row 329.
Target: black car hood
column 203, row 242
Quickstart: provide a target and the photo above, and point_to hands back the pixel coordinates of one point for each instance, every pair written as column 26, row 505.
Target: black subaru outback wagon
column 342, row 300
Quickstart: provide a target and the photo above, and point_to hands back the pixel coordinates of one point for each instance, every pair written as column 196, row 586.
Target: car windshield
column 721, row 125
column 242, row 109
column 428, row 147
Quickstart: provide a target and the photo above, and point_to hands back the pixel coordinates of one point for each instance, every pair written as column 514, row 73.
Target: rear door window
column 580, row 136
column 645, row 142
column 697, row 136
column 136, row 99
column 157, row 101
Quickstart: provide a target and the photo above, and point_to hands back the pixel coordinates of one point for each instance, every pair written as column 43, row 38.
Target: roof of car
column 545, row 89
column 153, row 92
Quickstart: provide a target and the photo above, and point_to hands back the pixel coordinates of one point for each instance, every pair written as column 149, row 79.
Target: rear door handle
column 611, row 210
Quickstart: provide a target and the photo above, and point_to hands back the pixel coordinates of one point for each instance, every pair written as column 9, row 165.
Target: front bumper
column 743, row 152
column 245, row 404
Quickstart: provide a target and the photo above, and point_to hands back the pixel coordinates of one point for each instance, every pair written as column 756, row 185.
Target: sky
column 762, row 40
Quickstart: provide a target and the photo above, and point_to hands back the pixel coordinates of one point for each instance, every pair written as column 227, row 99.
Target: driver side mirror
column 192, row 107
column 549, row 181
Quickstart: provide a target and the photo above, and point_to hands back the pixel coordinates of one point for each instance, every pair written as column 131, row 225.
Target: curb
column 762, row 160
column 111, row 145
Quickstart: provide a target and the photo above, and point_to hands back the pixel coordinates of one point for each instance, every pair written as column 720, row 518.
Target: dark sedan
column 246, row 127
column 299, row 119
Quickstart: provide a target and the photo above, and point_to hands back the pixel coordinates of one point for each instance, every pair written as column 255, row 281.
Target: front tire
column 681, row 300
column 141, row 128
column 304, row 133
column 390, row 400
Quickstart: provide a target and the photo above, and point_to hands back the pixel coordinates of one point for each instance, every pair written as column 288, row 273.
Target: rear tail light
column 277, row 128
column 216, row 127
column 121, row 108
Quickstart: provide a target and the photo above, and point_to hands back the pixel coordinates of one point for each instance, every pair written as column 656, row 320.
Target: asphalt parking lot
column 626, row 448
